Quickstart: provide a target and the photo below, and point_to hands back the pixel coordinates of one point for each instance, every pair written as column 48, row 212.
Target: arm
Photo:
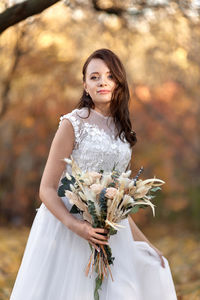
column 62, row 147
column 139, row 236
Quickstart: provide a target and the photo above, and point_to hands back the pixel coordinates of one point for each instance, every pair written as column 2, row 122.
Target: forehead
column 97, row 65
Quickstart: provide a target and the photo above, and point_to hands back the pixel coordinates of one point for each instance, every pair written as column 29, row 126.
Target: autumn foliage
column 40, row 80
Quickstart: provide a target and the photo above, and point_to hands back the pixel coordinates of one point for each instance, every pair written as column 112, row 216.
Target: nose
column 102, row 81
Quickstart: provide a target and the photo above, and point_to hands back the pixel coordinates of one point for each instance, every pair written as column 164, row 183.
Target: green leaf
column 152, row 197
column 65, row 185
column 155, row 189
column 61, row 191
column 66, row 181
column 93, row 213
column 112, row 184
column 110, row 258
column 134, row 209
column 112, row 231
column 103, row 205
column 142, row 205
column 75, row 210
column 98, row 282
column 115, row 175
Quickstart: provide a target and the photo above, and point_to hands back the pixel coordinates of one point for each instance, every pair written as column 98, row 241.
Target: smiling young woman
column 99, row 135
column 103, row 70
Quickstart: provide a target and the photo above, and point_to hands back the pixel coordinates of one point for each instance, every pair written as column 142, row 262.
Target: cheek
column 91, row 89
column 113, row 85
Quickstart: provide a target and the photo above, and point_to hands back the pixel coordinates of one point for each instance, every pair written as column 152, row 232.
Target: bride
column 98, row 134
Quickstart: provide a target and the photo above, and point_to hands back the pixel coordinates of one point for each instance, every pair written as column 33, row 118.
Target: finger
column 101, row 230
column 99, row 242
column 96, row 241
column 100, row 237
column 95, row 246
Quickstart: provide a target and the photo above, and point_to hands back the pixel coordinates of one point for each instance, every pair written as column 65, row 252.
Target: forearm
column 54, row 203
column 136, row 232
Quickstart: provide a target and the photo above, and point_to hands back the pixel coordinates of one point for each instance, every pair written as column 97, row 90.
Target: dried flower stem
column 89, row 264
column 104, row 252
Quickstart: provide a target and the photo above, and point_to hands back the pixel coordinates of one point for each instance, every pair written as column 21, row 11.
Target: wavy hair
column 120, row 97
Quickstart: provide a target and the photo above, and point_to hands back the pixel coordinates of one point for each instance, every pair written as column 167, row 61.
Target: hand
column 160, row 254
column 95, row 236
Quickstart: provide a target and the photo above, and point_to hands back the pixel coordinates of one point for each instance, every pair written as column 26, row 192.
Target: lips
column 103, row 91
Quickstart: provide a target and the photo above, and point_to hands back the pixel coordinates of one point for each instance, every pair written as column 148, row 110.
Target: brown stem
column 104, row 252
column 89, row 264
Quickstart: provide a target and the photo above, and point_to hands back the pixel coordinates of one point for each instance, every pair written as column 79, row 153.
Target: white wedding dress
column 55, row 258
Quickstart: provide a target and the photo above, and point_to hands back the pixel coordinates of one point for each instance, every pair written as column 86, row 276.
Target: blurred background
column 42, row 50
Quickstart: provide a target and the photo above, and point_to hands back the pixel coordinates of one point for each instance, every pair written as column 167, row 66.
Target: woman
column 98, row 134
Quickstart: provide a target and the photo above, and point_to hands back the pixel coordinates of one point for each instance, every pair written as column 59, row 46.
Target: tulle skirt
column 54, row 262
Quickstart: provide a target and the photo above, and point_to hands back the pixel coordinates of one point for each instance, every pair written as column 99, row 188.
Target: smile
column 103, row 92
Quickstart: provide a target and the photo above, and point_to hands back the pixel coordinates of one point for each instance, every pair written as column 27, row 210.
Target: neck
column 104, row 110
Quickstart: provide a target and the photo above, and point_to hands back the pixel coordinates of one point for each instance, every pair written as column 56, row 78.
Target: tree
column 132, row 9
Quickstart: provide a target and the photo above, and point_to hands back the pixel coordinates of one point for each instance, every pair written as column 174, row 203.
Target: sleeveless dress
column 55, row 258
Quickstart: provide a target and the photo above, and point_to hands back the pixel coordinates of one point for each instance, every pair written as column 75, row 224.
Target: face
column 99, row 83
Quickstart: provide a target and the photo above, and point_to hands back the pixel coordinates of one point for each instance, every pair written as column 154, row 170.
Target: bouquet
column 104, row 199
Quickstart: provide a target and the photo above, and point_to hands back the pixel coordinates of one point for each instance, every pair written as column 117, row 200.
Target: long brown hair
column 120, row 96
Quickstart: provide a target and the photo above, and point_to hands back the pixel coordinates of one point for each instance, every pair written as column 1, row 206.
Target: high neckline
column 100, row 114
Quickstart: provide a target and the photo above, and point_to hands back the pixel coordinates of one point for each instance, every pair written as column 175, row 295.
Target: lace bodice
column 95, row 146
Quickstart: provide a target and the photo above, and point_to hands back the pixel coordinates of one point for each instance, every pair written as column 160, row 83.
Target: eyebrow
column 98, row 72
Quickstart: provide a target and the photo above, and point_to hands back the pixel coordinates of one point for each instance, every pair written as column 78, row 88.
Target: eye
column 110, row 76
column 93, row 77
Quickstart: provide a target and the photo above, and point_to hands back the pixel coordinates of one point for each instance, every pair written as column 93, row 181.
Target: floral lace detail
column 96, row 147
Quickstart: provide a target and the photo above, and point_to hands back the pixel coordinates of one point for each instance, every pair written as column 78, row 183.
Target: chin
column 104, row 100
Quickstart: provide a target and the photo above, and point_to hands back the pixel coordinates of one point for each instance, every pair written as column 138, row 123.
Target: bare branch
column 23, row 10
